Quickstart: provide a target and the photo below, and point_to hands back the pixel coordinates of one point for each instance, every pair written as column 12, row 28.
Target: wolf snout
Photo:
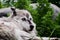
column 31, row 27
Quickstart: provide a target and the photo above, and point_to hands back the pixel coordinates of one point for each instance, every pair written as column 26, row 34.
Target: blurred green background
column 42, row 15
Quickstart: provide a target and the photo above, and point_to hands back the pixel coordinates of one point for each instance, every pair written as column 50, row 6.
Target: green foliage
column 0, row 5
column 56, row 2
column 34, row 1
column 7, row 3
column 45, row 14
column 22, row 4
column 46, row 26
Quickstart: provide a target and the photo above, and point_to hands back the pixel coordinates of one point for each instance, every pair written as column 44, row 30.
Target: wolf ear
column 14, row 11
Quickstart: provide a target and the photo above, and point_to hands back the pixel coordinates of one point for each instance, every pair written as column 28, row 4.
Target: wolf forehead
column 23, row 13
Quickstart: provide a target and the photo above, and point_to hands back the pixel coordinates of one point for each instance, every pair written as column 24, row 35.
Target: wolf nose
column 31, row 27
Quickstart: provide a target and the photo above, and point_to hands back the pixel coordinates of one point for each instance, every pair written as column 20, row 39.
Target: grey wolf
column 20, row 25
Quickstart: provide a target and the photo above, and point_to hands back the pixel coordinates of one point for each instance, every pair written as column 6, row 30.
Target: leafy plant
column 0, row 4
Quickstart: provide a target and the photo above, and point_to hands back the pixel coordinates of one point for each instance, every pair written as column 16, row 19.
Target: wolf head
column 23, row 17
column 25, row 20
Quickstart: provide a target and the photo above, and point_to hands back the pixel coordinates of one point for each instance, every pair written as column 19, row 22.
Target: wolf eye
column 30, row 18
column 23, row 19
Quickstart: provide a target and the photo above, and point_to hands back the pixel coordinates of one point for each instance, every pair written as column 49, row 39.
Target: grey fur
column 14, row 25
